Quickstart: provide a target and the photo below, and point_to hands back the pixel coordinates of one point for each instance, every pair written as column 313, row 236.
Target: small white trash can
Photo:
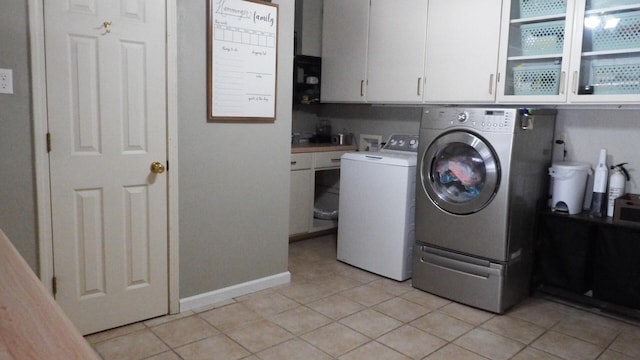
column 569, row 185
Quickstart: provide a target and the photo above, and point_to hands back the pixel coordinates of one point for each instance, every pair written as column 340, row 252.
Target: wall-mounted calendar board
column 241, row 60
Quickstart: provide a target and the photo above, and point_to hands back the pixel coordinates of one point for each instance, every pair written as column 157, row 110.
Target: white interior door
column 106, row 94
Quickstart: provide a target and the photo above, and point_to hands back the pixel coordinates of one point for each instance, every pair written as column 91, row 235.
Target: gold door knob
column 157, row 167
column 107, row 27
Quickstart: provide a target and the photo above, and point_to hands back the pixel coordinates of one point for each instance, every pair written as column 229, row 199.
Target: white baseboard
column 212, row 297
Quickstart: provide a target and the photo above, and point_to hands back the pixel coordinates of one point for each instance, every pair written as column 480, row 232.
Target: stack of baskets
column 616, row 76
column 539, row 37
column 536, row 79
column 624, row 35
column 533, row 8
column 542, row 38
column 601, row 4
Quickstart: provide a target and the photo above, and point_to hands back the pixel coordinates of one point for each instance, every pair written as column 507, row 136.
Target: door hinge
column 48, row 142
column 54, row 286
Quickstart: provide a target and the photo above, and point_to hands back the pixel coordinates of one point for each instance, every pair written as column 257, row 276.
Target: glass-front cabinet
column 558, row 51
column 606, row 64
column 534, row 59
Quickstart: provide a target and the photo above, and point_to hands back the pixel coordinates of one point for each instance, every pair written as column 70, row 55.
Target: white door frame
column 40, row 129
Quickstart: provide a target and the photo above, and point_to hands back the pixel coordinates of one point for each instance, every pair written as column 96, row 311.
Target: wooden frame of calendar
column 242, row 54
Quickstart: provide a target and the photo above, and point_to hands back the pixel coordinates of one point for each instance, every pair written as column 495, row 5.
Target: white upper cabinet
column 308, row 27
column 395, row 61
column 373, row 51
column 605, row 63
column 446, row 51
column 345, row 31
column 462, row 51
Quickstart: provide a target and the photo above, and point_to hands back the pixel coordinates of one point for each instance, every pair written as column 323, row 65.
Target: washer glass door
column 460, row 172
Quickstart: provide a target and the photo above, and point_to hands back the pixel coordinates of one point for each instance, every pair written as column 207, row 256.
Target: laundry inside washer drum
column 460, row 177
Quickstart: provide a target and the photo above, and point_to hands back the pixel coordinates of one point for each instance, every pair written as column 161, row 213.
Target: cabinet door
column 462, row 57
column 605, row 59
column 344, row 50
column 535, row 50
column 395, row 62
column 301, row 201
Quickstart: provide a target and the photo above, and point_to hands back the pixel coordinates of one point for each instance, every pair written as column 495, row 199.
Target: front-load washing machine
column 481, row 177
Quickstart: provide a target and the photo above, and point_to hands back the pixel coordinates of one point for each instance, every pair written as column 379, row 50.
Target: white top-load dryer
column 376, row 226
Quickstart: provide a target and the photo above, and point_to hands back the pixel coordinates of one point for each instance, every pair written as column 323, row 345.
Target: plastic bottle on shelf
column 617, row 181
column 599, row 198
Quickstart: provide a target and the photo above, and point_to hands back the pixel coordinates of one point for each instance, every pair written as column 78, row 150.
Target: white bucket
column 569, row 185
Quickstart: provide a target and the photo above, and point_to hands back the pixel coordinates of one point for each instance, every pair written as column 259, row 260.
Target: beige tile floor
column 331, row 310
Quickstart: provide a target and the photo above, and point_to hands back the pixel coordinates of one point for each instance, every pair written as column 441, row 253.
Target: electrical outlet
column 6, row 81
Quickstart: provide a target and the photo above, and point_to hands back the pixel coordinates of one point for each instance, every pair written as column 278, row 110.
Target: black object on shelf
column 307, row 75
column 585, row 90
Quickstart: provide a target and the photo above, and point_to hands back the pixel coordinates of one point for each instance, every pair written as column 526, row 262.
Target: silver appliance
column 481, row 177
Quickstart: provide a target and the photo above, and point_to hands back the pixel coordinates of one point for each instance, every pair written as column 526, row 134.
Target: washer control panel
column 489, row 119
column 402, row 142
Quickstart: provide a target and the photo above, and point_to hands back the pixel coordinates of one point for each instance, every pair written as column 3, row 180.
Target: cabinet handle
column 419, row 81
column 335, row 160
column 574, row 83
column 361, row 87
column 490, row 84
column 562, row 83
column 294, row 162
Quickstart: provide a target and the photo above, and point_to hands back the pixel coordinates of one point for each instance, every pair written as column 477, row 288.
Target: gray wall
column 17, row 175
column 234, row 178
column 585, row 131
column 360, row 119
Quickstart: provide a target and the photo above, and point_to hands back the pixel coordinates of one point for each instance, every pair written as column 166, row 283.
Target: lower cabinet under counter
column 593, row 261
column 315, row 183
column 301, row 193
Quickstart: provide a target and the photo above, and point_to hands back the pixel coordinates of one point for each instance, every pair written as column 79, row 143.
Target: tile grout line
column 362, row 279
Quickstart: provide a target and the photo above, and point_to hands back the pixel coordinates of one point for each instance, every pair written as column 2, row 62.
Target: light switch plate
column 6, row 81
